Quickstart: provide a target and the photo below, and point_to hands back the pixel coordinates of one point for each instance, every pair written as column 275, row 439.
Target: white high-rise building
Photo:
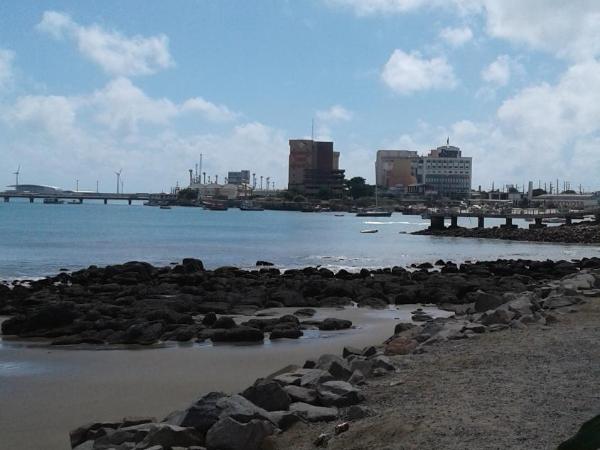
column 443, row 171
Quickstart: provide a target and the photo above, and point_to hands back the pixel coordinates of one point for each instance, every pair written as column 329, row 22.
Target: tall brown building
column 314, row 167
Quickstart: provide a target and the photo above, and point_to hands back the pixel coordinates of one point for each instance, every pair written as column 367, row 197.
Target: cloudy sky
column 88, row 88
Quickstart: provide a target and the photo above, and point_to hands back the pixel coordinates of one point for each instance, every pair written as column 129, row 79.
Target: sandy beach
column 525, row 389
column 47, row 391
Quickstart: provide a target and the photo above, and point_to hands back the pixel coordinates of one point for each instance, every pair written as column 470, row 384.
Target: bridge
column 81, row 196
column 438, row 217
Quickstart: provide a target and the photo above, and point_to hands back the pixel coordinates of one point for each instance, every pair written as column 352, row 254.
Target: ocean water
column 38, row 239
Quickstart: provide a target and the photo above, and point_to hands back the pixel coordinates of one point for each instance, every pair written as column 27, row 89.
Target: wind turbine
column 17, row 176
column 118, row 174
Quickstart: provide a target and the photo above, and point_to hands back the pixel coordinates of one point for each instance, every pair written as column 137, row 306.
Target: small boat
column 374, row 213
column 339, row 215
column 369, row 231
column 53, row 201
column 75, row 202
column 215, row 206
column 165, row 207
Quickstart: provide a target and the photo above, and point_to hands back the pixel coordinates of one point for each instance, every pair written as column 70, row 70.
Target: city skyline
column 89, row 89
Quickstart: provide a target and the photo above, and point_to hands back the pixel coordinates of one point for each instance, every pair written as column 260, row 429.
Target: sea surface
column 38, row 239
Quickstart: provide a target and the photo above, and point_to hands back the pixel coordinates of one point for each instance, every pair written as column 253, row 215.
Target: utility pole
column 204, row 177
column 97, row 187
column 77, row 186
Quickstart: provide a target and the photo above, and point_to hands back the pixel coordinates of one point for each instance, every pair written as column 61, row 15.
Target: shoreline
column 423, row 382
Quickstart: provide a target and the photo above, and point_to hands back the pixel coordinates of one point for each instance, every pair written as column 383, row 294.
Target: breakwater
column 577, row 233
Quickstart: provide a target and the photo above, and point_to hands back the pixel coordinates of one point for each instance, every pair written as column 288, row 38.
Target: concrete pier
column 481, row 222
column 437, row 223
column 453, row 221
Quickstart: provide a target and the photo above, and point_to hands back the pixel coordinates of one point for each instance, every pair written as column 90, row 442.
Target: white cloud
column 52, row 114
column 567, row 29
column 405, row 73
column 367, row 7
column 115, row 53
column 6, row 68
column 215, row 113
column 336, row 113
column 456, row 37
column 498, row 72
column 121, row 107
column 386, row 7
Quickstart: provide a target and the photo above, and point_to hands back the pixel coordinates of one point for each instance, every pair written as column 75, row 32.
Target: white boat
column 369, row 231
column 374, row 212
column 165, row 207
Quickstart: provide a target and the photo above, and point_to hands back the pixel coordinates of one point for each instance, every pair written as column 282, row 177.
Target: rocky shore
column 348, row 401
column 577, row 233
column 136, row 303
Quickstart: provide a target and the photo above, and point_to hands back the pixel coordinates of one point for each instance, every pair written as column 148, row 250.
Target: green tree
column 357, row 187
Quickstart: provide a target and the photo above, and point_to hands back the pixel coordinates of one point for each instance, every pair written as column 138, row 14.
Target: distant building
column 444, row 171
column 229, row 191
column 37, row 189
column 241, row 177
column 447, row 172
column 394, row 168
column 568, row 201
column 314, row 167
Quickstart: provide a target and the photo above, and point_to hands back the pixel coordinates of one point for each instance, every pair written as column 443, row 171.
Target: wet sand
column 47, row 391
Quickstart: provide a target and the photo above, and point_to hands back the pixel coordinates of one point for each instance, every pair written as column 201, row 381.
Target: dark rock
column 586, row 438
column 224, row 322
column 335, row 365
column 347, row 351
column 264, row 263
column 314, row 413
column 229, row 434
column 268, row 394
column 305, row 312
column 301, row 394
column 238, row 334
column 402, row 327
column 279, row 333
column 143, row 333
column 169, row 436
column 335, row 324
column 484, row 301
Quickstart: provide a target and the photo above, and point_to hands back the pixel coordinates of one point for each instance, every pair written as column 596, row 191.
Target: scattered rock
column 268, row 394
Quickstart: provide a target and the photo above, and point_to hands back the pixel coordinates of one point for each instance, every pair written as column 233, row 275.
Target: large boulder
column 498, row 316
column 334, row 324
column 230, row 434
column 301, row 394
column 143, row 333
column 338, row 393
column 484, row 301
column 312, row 413
column 206, row 411
column 338, row 367
column 169, row 436
column 268, row 394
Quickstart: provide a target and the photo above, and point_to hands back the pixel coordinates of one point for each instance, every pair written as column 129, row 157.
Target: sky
column 146, row 86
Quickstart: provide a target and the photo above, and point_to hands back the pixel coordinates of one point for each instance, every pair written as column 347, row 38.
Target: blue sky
column 87, row 88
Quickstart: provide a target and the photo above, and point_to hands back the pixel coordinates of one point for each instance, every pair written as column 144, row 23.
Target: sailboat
column 374, row 212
